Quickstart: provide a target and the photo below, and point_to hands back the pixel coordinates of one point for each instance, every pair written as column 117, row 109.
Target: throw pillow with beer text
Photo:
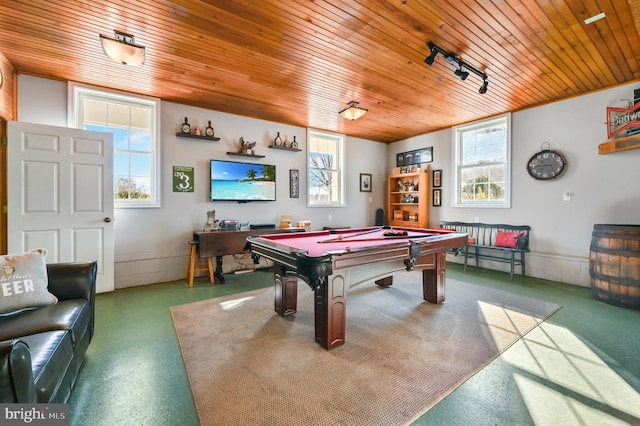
column 23, row 282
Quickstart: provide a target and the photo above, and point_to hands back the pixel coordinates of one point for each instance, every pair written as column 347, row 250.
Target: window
column 482, row 163
column 325, row 165
column 134, row 123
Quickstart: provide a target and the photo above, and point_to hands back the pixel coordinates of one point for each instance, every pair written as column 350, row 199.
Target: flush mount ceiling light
column 463, row 69
column 353, row 111
column 595, row 18
column 122, row 48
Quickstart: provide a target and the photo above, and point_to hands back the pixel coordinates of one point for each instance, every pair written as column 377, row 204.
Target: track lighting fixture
column 463, row 69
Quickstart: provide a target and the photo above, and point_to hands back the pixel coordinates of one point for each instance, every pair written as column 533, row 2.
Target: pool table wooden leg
column 434, row 276
column 330, row 311
column 286, row 291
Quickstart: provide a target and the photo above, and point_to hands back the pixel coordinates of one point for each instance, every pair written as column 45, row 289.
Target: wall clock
column 546, row 164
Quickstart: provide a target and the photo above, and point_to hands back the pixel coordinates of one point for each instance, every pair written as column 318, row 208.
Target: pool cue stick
column 388, row 237
column 341, row 238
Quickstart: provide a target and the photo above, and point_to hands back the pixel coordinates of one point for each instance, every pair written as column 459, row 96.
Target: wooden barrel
column 614, row 264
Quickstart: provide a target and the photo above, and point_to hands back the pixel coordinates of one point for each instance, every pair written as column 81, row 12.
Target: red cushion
column 507, row 239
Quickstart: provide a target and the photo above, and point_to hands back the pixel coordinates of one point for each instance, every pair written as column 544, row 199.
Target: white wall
column 151, row 244
column 605, row 188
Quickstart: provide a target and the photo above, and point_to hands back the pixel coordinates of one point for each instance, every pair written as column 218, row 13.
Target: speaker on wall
column 379, row 217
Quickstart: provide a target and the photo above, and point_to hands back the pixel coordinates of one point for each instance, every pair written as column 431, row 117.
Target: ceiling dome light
column 353, row 111
column 122, row 49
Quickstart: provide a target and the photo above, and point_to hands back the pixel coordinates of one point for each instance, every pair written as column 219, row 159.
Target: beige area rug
column 248, row 366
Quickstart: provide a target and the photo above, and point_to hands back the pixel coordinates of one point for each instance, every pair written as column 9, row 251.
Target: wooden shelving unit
column 189, row 135
column 239, row 154
column 414, row 214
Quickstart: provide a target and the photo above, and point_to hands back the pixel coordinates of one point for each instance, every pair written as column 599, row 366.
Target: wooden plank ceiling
column 300, row 61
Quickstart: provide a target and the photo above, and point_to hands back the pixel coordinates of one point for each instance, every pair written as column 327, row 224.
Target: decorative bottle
column 186, row 127
column 278, row 140
column 208, row 131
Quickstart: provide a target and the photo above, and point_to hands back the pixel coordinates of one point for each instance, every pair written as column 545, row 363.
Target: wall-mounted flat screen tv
column 236, row 181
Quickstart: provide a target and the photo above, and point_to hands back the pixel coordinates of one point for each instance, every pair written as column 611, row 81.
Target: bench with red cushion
column 497, row 242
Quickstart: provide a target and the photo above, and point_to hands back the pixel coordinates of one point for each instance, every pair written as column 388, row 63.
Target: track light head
column 432, row 55
column 452, row 57
column 461, row 74
column 483, row 88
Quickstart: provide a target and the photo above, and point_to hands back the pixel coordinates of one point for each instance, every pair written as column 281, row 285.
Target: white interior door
column 60, row 195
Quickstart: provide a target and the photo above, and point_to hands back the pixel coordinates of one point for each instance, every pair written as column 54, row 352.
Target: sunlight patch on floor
column 505, row 324
column 232, row 304
column 563, row 381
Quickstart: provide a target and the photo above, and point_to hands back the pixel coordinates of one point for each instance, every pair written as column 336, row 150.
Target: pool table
column 332, row 261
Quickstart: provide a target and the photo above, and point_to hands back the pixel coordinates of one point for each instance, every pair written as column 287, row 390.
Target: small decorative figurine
column 246, row 147
column 186, row 127
column 197, row 131
column 211, row 220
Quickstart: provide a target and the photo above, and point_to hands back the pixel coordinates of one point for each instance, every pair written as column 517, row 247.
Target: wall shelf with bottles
column 284, row 148
column 189, row 135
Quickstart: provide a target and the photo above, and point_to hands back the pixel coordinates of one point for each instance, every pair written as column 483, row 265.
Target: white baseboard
column 565, row 269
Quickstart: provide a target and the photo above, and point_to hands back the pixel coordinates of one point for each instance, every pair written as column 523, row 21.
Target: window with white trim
column 482, row 163
column 325, row 169
column 134, row 123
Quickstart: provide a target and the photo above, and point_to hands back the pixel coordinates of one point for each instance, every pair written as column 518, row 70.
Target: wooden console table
column 222, row 243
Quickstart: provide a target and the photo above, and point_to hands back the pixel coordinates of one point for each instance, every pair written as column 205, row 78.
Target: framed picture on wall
column 437, row 197
column 437, row 178
column 294, row 183
column 365, row 182
column 424, row 155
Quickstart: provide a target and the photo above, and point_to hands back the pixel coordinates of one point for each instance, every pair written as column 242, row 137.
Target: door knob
column 108, row 219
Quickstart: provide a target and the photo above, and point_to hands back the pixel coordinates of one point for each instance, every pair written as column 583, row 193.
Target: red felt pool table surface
column 319, row 243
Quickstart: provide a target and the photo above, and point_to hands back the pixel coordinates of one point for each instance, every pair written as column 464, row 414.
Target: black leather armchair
column 41, row 350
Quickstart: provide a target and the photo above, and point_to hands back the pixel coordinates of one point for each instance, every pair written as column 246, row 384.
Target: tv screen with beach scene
column 236, row 181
